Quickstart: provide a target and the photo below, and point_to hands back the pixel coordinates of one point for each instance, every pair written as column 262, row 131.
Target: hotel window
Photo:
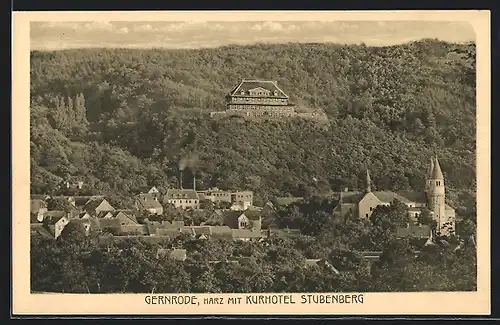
column 371, row 209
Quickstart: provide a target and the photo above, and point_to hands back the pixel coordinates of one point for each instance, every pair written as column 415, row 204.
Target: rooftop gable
column 246, row 85
column 186, row 194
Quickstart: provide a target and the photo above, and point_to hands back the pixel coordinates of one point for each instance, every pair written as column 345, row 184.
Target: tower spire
column 437, row 173
column 431, row 169
column 368, row 182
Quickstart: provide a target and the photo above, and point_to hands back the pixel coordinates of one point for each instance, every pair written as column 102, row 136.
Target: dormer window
column 275, row 93
column 242, row 92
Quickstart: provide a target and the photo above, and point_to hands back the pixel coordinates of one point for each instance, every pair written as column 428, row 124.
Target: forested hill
column 122, row 118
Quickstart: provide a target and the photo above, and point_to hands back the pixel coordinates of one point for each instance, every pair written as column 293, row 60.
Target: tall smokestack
column 180, row 179
column 194, row 182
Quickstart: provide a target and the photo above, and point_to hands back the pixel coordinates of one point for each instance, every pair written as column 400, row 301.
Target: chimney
column 194, row 182
column 180, row 180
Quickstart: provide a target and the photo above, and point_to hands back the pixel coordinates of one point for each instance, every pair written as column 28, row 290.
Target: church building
column 361, row 204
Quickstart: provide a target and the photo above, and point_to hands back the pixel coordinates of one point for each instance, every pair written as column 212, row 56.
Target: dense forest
column 121, row 118
column 95, row 264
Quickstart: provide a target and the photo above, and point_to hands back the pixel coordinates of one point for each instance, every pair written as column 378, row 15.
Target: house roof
column 108, row 223
column 103, row 214
column 230, row 217
column 174, row 193
column 93, row 204
column 80, row 201
column 388, row 196
column 218, row 213
column 39, row 229
column 147, row 189
column 423, row 231
column 246, row 85
column 253, row 214
column 126, row 213
column 54, row 216
column 352, row 197
column 202, row 196
column 37, row 204
column 148, row 201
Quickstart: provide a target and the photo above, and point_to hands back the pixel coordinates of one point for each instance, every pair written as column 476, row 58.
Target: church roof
column 352, row 197
column 437, row 173
column 388, row 196
column 246, row 85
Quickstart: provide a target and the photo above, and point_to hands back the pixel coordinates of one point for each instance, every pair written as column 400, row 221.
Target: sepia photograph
column 288, row 160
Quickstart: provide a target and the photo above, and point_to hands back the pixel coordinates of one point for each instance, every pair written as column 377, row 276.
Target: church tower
column 436, row 194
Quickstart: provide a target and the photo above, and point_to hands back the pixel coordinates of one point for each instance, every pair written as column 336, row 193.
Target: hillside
column 134, row 114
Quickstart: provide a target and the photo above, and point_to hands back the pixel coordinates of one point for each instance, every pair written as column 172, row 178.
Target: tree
column 386, row 220
column 59, row 205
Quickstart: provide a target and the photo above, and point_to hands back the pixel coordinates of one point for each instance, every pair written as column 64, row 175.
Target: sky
column 52, row 35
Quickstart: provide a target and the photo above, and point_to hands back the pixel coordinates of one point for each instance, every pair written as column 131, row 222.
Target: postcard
column 251, row 162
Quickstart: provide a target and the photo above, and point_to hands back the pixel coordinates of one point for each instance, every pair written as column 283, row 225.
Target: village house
column 125, row 217
column 215, row 219
column 152, row 190
column 148, row 202
column 182, row 198
column 96, row 205
column 242, row 199
column 216, row 195
column 248, row 219
column 80, row 201
column 55, row 221
column 362, row 204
